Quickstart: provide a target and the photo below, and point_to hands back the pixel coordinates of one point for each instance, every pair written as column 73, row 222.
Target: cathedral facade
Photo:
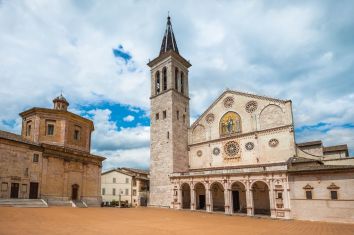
column 240, row 155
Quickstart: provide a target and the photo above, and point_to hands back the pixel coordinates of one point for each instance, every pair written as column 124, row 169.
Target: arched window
column 230, row 123
column 164, row 74
column 182, row 81
column 158, row 84
column 176, row 79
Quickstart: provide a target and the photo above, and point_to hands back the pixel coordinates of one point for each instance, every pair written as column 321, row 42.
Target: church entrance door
column 236, row 200
column 14, row 190
column 33, row 190
column 74, row 192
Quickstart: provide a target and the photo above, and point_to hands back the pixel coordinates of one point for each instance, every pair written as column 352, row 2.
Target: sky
column 95, row 52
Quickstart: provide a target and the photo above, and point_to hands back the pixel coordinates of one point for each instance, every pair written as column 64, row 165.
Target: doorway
column 14, row 190
column 201, row 202
column 33, row 194
column 236, row 200
column 74, row 192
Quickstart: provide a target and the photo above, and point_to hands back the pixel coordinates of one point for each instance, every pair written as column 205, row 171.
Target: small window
column 127, row 180
column 134, row 192
column 114, row 180
column 114, row 191
column 168, row 134
column 308, row 194
column 24, row 188
column 184, row 118
column 280, row 195
column 164, row 114
column 334, row 195
column 134, row 182
column 126, row 191
column 103, row 191
column 157, row 116
column 76, row 135
column 50, row 129
column 177, row 114
column 28, row 128
column 4, row 187
column 26, row 172
column 35, row 158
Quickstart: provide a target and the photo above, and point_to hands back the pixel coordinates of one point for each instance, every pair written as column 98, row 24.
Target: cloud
column 291, row 50
column 128, row 118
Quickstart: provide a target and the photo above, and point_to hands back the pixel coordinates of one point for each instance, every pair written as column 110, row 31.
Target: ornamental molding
column 210, row 118
column 333, row 186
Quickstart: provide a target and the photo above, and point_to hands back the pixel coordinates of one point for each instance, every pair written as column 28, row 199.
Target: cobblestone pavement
column 52, row 221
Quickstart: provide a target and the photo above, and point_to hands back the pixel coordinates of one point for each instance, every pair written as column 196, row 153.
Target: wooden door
column 14, row 190
column 33, row 190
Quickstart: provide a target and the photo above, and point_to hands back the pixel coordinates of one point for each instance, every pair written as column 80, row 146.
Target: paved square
column 102, row 221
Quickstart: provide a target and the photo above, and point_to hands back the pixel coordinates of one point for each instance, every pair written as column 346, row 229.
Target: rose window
column 232, row 148
column 251, row 106
column 228, row 102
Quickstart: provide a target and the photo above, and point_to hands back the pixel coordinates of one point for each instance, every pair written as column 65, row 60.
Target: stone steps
column 32, row 203
column 80, row 204
column 59, row 203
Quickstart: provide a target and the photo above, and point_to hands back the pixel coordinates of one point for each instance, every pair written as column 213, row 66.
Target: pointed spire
column 169, row 41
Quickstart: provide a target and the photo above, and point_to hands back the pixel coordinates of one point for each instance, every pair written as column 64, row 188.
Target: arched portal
column 217, row 194
column 261, row 203
column 75, row 192
column 186, row 196
column 200, row 196
column 238, row 198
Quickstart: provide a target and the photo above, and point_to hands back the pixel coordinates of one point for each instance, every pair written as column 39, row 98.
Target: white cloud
column 129, row 118
column 288, row 50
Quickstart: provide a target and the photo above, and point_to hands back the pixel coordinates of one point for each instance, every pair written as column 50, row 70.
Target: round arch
column 200, row 196
column 230, row 123
column 238, row 197
column 217, row 197
column 186, row 196
column 260, row 194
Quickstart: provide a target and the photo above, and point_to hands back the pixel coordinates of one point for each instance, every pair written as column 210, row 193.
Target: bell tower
column 169, row 118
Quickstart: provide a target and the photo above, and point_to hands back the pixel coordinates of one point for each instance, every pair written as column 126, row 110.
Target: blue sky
column 96, row 53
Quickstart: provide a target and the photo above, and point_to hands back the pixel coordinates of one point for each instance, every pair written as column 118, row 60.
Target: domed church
column 240, row 156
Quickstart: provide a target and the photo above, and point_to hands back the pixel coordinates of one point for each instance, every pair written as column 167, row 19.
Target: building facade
column 240, row 155
column 126, row 185
column 51, row 158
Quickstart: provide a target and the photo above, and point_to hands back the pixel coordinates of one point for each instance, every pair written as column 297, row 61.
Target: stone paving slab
column 59, row 220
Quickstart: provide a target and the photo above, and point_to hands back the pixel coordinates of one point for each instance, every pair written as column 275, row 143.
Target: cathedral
column 240, row 156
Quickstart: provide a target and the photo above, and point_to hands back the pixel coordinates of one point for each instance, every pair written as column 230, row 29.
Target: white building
column 126, row 185
column 240, row 155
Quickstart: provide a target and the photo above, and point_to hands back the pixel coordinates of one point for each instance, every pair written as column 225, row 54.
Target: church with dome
column 241, row 155
column 50, row 160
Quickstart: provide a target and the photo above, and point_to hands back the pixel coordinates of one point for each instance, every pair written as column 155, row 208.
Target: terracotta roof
column 139, row 171
column 310, row 143
column 15, row 137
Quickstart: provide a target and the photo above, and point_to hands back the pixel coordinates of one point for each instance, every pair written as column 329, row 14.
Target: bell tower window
column 164, row 74
column 182, row 83
column 176, row 79
column 158, row 84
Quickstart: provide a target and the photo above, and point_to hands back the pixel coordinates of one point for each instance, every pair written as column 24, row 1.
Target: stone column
column 208, row 199
column 193, row 199
column 272, row 199
column 286, row 199
column 179, row 198
column 249, row 199
column 227, row 198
